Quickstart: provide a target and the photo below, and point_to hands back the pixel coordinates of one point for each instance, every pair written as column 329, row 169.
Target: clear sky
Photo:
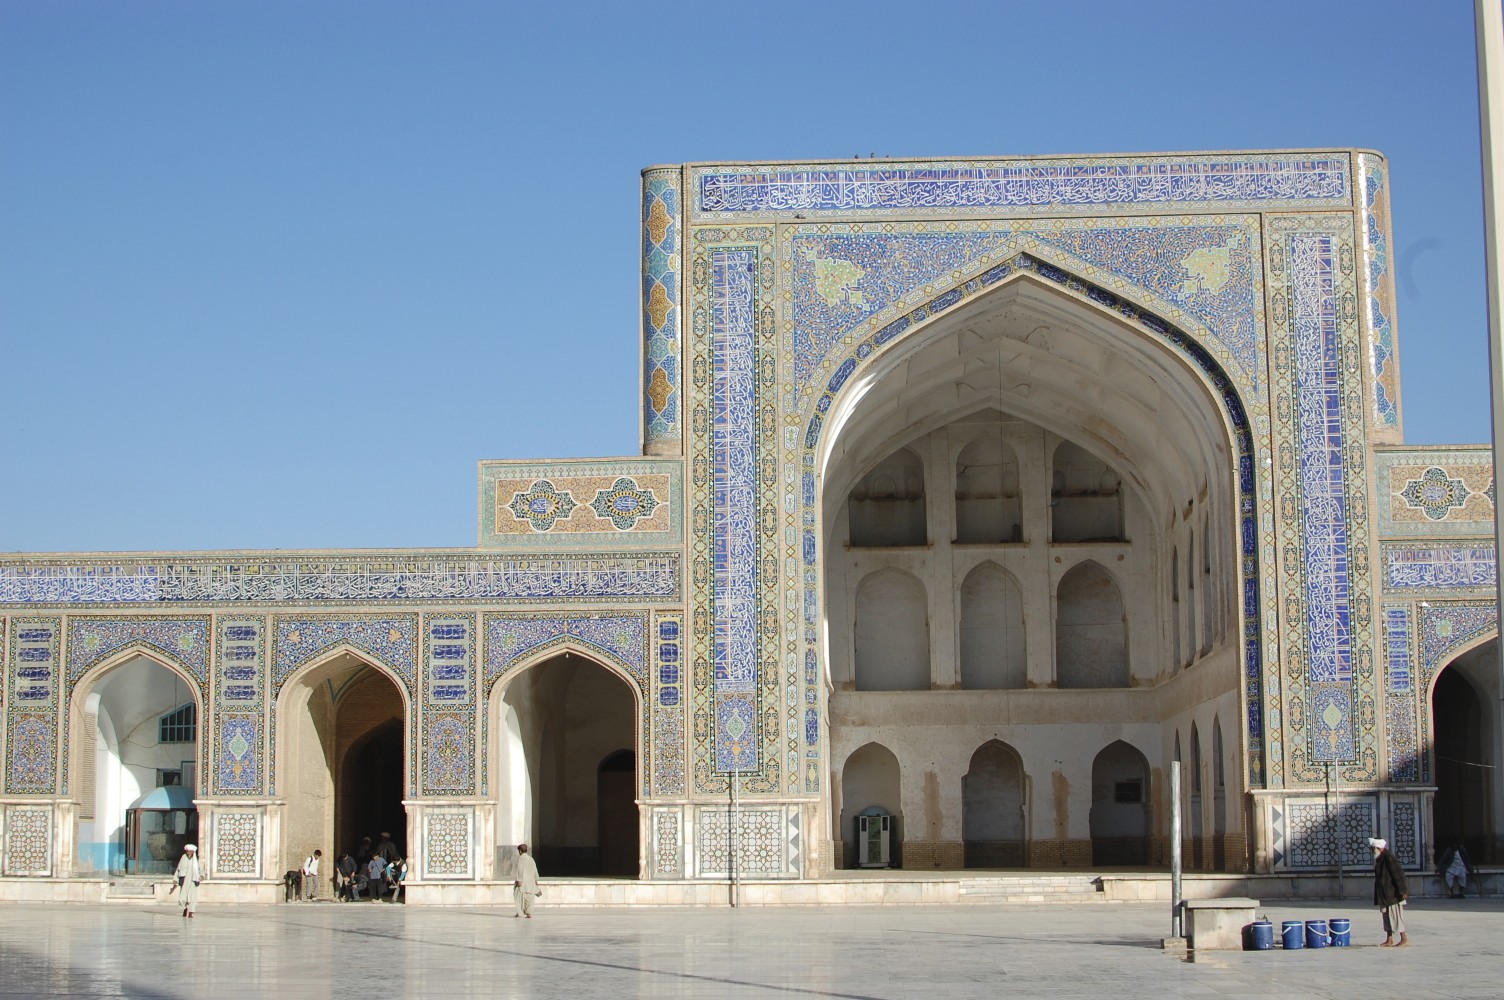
column 277, row 274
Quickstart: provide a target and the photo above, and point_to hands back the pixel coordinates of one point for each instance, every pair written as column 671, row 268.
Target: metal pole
column 1175, row 897
column 736, row 817
column 1489, row 27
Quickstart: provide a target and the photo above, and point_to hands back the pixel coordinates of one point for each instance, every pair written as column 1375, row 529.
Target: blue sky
column 277, row 274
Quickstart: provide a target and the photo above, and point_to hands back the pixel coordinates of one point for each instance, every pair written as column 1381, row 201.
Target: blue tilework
column 183, row 641
column 31, row 719
column 1385, row 367
column 660, row 311
column 239, row 751
column 840, row 280
column 1439, row 566
column 402, row 577
column 1323, row 479
column 620, row 639
column 389, row 640
column 1060, row 186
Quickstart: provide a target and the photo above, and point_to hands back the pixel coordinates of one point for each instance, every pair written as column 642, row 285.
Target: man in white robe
column 525, row 889
column 190, row 873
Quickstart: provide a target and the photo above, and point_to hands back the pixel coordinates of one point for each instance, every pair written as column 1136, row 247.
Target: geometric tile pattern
column 1321, row 834
column 660, row 312
column 765, row 843
column 237, row 845
column 446, row 843
column 1435, row 494
column 28, row 841
column 668, row 856
column 1404, row 832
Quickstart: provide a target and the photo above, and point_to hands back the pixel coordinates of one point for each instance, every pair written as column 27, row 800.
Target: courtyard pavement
column 372, row 951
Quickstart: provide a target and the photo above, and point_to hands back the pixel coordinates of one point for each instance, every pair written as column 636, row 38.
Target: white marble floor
column 324, row 950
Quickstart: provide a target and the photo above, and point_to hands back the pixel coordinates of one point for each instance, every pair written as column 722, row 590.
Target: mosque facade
column 972, row 494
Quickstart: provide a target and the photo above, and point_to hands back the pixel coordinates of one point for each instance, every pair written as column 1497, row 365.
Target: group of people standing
column 375, row 872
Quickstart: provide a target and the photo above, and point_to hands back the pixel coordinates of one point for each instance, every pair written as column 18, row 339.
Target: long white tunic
column 190, row 872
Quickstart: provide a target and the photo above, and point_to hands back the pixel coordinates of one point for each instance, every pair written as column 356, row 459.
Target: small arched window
column 178, row 726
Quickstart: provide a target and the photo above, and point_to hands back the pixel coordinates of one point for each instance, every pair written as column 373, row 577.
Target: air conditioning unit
column 874, row 839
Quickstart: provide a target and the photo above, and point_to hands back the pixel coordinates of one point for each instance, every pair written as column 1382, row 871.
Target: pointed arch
column 993, row 644
column 994, row 808
column 892, row 649
column 871, row 779
column 1091, row 640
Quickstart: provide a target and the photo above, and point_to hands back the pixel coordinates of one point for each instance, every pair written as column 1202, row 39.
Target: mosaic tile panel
column 668, row 844
column 574, row 504
column 848, row 280
column 510, row 639
column 1446, row 492
column 28, row 841
column 1379, row 276
column 736, row 710
column 31, row 732
column 1431, row 493
column 1439, row 566
column 765, row 843
column 391, row 640
column 446, row 845
column 449, row 744
column 1321, row 834
column 661, row 333
column 667, row 777
column 1402, row 734
column 1063, row 186
column 238, row 748
column 405, row 577
column 239, row 752
column 1404, row 833
column 181, row 641
column 1326, row 681
column 449, row 750
column 237, row 845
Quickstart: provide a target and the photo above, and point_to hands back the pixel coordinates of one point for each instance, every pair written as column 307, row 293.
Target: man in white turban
column 1390, row 892
column 189, row 874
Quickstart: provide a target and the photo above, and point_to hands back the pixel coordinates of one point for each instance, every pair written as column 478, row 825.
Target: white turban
column 1377, row 843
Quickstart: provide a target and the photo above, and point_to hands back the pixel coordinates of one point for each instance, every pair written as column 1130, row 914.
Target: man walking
column 1390, row 891
column 525, row 888
column 190, row 872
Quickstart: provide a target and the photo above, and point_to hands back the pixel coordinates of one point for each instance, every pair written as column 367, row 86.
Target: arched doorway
column 1462, row 735
column 1119, row 807
column 135, row 745
column 992, row 805
column 871, row 781
column 341, row 759
column 1025, row 403
column 565, row 743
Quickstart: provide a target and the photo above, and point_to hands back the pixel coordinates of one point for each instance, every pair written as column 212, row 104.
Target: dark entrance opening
column 1461, row 808
column 616, row 812
column 370, row 789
